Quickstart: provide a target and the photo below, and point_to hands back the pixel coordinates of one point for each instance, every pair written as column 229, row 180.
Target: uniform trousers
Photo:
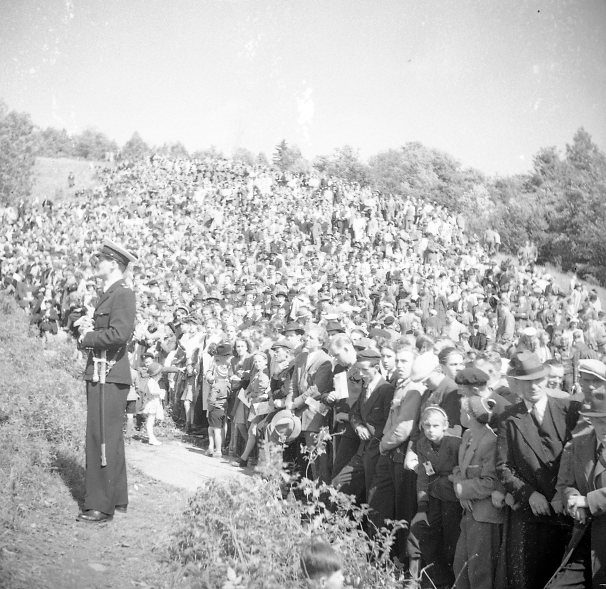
column 106, row 486
column 477, row 554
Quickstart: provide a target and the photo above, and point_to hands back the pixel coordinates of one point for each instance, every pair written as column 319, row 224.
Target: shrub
column 249, row 533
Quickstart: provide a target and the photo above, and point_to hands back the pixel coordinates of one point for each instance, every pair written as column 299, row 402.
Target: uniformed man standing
column 106, row 338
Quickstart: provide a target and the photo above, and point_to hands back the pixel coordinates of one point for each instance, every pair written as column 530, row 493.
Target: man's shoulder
column 563, row 404
column 119, row 289
column 501, row 402
column 451, row 441
column 513, row 411
column 583, row 437
column 385, row 388
column 488, row 439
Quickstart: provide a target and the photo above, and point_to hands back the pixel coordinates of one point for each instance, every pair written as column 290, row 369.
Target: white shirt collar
column 538, row 408
column 108, row 285
column 372, row 385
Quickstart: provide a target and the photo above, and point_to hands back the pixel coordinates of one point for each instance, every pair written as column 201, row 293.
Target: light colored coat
column 312, row 377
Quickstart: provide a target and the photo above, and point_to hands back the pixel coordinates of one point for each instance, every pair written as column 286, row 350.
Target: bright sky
column 488, row 81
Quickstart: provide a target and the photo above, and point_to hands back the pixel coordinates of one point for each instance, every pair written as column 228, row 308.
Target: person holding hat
column 531, row 438
column 582, row 486
column 106, row 339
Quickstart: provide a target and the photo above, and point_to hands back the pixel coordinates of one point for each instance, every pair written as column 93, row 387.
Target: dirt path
column 51, row 550
column 180, row 463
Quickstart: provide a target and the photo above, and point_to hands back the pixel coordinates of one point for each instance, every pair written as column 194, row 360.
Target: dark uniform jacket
column 114, row 323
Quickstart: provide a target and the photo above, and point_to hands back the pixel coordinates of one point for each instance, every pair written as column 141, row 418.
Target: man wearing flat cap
column 582, row 486
column 108, row 379
column 367, row 417
column 531, row 438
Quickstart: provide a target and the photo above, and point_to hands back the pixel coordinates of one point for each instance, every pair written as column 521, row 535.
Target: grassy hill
column 50, row 177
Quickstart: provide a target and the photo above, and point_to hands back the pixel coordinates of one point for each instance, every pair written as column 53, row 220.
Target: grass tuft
column 42, row 418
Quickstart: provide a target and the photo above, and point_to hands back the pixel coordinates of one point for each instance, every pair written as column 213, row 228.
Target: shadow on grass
column 72, row 473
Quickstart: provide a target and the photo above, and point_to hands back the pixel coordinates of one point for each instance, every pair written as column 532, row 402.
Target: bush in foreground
column 237, row 534
column 42, row 417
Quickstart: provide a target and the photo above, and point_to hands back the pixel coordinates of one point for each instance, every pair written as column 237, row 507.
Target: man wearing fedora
column 108, row 380
column 582, row 486
column 531, row 438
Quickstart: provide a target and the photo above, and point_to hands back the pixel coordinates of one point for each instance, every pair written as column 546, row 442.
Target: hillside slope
column 50, row 177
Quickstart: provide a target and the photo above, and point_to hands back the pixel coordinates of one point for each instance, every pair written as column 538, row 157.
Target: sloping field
column 50, row 177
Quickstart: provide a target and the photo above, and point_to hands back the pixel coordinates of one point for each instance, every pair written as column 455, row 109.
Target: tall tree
column 243, row 155
column 94, row 145
column 261, row 159
column 17, row 147
column 344, row 163
column 52, row 142
column 135, row 148
column 174, row 151
column 288, row 158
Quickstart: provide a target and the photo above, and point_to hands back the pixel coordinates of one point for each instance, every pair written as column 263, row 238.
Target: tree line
column 559, row 204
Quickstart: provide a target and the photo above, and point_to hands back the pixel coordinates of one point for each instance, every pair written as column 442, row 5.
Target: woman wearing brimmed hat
column 582, row 486
column 531, row 439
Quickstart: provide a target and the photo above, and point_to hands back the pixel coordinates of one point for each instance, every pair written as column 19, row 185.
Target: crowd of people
column 443, row 380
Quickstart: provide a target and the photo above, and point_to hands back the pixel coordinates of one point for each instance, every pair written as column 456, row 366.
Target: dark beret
column 368, row 354
column 471, row 376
